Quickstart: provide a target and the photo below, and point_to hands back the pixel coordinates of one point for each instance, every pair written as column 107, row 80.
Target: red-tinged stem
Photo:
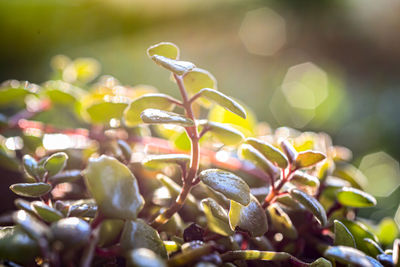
column 274, row 192
column 194, row 160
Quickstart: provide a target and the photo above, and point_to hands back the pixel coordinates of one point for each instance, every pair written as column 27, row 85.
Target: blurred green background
column 328, row 66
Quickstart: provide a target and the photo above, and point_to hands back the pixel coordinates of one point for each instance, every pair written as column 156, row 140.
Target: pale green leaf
column 159, row 116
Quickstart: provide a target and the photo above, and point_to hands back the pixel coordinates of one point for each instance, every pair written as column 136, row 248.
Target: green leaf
column 160, row 161
column 174, row 189
column 387, row 231
column 289, row 151
column 303, row 178
column 17, row 246
column 31, row 189
column 14, row 93
column 308, row 158
column 343, row 237
column 24, row 205
column 103, row 112
column 110, row 230
column 224, row 101
column 352, row 197
column 35, row 228
column 281, row 222
column 114, row 188
column 55, row 163
column 159, row 101
column 223, row 132
column 249, row 153
column 66, row 177
column 7, row 162
column 63, row 93
column 176, row 66
column 160, row 116
column 288, row 201
column 143, row 257
column 269, row 152
column 373, row 247
column 217, row 217
column 125, row 149
column 138, row 234
column 251, row 218
column 228, row 184
column 197, row 79
column 348, row 255
column 30, row 166
column 165, row 49
column 45, row 212
column 255, row 255
column 71, row 232
column 359, row 232
column 321, row 262
column 310, row 203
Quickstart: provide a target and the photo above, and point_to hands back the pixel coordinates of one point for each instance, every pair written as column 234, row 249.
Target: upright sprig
column 156, row 109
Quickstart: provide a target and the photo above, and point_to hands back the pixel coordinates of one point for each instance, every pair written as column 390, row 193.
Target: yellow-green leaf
column 132, row 112
column 30, row 166
column 30, row 189
column 228, row 184
column 387, row 231
column 110, row 230
column 197, row 79
column 321, row 262
column 138, row 234
column 55, row 163
column 250, row 218
column 269, row 152
column 223, row 132
column 249, row 153
column 46, row 212
column 103, row 112
column 224, row 101
column 352, row 197
column 217, row 217
column 348, row 255
column 359, row 232
column 176, row 66
column 311, row 204
column 308, row 158
column 114, row 188
column 160, row 116
column 165, row 49
column 281, row 222
column 143, row 257
column 160, row 161
column 289, row 151
column 343, row 237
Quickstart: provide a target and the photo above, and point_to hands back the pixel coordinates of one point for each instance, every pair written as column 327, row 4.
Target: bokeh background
column 328, row 65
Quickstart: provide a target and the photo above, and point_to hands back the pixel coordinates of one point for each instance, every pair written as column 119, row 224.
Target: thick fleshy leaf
column 350, row 174
column 249, row 153
column 343, row 237
column 385, row 259
column 289, row 151
column 17, row 246
column 250, row 218
column 135, row 108
column 110, row 230
column 66, row 177
column 176, row 66
column 35, row 228
column 197, row 79
column 160, row 161
column 310, row 203
column 228, row 184
column 30, row 166
column 288, row 201
column 82, row 208
column 269, row 152
column 165, row 49
column 308, row 158
column 55, row 163
column 143, row 257
column 71, row 232
column 160, row 116
column 224, row 101
column 138, row 234
column 256, row 255
column 24, row 205
column 31, row 189
column 45, row 212
column 359, row 232
column 387, row 231
column 306, row 182
column 223, row 132
column 114, row 188
column 7, row 161
column 103, row 112
column 373, row 247
column 281, row 221
column 62, row 93
column 321, row 262
column 217, row 217
column 125, row 148
column 352, row 197
column 348, row 255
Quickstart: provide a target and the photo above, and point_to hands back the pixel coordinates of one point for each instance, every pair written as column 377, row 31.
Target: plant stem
column 194, row 160
column 275, row 190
